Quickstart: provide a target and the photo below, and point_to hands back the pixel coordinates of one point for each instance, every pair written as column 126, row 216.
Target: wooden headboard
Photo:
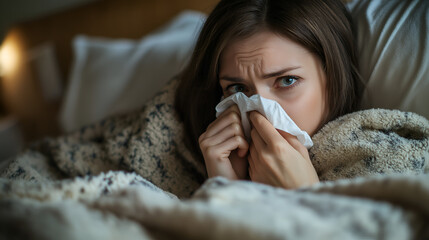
column 21, row 91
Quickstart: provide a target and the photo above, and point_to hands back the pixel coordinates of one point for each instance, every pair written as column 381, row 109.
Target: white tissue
column 270, row 109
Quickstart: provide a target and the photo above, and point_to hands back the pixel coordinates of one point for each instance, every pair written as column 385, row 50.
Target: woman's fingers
column 236, row 142
column 222, row 150
column 295, row 143
column 234, row 129
column 264, row 128
column 231, row 115
column 277, row 158
column 253, row 152
column 270, row 135
column 226, row 126
column 224, row 146
column 257, row 139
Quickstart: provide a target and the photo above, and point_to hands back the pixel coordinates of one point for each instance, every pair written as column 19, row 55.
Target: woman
column 300, row 53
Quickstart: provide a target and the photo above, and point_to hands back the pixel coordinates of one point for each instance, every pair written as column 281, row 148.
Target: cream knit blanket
column 131, row 177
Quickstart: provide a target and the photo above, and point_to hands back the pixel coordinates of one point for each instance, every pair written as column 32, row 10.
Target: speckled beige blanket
column 131, row 177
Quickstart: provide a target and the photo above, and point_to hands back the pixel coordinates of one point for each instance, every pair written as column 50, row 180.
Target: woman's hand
column 224, row 146
column 277, row 158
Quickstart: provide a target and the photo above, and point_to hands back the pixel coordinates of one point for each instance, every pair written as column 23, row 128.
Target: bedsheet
column 120, row 205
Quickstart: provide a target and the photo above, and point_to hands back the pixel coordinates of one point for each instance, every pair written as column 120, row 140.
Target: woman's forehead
column 266, row 50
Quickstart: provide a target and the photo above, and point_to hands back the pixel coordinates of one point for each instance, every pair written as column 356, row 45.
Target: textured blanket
column 131, row 177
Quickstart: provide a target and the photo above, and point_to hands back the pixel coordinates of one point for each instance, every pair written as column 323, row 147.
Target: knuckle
column 204, row 144
column 234, row 117
column 236, row 128
column 277, row 147
column 201, row 138
column 211, row 152
column 211, row 124
column 238, row 139
column 234, row 108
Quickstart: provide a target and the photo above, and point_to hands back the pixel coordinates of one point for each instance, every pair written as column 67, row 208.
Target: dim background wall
column 13, row 11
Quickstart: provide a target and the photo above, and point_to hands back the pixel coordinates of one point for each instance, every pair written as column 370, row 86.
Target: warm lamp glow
column 8, row 57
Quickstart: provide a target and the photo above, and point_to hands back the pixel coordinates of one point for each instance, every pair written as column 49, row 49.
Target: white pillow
column 393, row 41
column 115, row 76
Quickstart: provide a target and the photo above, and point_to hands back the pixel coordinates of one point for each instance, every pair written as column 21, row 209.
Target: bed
column 120, row 168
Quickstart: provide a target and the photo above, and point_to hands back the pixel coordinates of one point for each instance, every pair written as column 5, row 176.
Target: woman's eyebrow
column 264, row 76
column 231, row 79
column 280, row 72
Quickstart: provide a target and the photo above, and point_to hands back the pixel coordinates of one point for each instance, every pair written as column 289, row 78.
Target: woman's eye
column 287, row 81
column 235, row 88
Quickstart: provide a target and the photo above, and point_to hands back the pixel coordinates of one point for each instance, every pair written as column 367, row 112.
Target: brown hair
column 321, row 26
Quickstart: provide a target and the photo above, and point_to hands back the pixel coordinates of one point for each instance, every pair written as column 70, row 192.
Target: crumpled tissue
column 267, row 107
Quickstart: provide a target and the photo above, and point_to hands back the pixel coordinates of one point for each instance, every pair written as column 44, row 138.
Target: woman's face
column 278, row 69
